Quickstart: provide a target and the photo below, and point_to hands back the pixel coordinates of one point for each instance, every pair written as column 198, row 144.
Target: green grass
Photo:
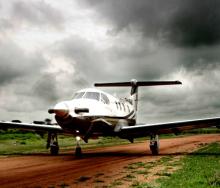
column 200, row 169
column 115, row 184
column 15, row 141
column 137, row 184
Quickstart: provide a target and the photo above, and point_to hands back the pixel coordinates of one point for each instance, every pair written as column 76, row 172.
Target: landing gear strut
column 78, row 150
column 154, row 144
column 52, row 143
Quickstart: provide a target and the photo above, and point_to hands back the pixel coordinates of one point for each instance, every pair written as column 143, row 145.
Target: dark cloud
column 182, row 23
column 37, row 13
column 196, row 98
column 46, row 88
column 143, row 62
column 149, row 40
column 84, row 55
column 16, row 63
column 118, row 62
column 183, row 33
column 200, row 58
column 53, row 87
column 196, row 23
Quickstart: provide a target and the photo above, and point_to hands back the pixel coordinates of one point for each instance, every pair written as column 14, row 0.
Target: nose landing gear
column 78, row 150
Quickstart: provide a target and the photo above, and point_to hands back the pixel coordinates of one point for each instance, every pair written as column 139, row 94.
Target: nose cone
column 60, row 109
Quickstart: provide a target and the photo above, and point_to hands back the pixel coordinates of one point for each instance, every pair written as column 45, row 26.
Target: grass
column 129, row 176
column 83, row 178
column 137, row 184
column 163, row 173
column 98, row 181
column 14, row 141
column 115, row 184
column 200, row 169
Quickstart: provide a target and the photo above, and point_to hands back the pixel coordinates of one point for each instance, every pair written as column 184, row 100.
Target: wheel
column 78, row 152
column 154, row 148
column 54, row 149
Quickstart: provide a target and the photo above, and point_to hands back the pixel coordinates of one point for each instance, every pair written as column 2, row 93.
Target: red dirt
column 97, row 167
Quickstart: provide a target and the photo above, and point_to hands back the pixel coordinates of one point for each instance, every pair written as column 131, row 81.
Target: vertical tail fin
column 134, row 84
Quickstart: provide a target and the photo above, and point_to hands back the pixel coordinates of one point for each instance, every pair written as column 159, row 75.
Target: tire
column 154, row 148
column 78, row 152
column 54, row 149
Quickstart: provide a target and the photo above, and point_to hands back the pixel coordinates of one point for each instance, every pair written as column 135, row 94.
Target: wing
column 164, row 128
column 30, row 126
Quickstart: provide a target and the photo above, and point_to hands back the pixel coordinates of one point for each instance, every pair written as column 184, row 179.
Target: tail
column 134, row 84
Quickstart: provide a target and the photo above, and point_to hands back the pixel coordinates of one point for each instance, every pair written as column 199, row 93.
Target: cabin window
column 128, row 109
column 92, row 95
column 116, row 105
column 79, row 95
column 104, row 99
column 120, row 105
column 123, row 106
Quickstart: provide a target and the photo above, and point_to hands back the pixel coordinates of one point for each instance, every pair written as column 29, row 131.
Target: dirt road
column 97, row 167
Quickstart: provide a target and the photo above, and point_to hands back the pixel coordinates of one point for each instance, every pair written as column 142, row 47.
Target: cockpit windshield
column 79, row 95
column 92, row 95
column 87, row 95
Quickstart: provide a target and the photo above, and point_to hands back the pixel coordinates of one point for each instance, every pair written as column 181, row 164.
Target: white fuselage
column 92, row 104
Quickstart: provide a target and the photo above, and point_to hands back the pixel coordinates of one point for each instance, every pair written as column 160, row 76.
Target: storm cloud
column 16, row 63
column 182, row 23
column 48, row 50
column 37, row 13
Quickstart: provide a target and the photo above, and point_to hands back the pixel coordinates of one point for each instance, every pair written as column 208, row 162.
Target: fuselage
column 89, row 105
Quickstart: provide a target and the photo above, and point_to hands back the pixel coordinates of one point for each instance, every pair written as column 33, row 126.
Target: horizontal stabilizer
column 137, row 83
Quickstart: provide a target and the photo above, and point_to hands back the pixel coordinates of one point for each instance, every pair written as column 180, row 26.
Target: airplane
column 92, row 113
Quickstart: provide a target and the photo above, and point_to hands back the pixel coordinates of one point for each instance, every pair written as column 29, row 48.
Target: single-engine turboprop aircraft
column 93, row 113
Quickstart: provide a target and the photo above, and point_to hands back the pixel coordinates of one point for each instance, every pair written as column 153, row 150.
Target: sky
column 50, row 49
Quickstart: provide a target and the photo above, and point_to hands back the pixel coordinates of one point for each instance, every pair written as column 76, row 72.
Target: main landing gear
column 52, row 143
column 154, row 144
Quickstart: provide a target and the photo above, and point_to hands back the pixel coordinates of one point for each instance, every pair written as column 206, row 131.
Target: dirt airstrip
column 98, row 167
